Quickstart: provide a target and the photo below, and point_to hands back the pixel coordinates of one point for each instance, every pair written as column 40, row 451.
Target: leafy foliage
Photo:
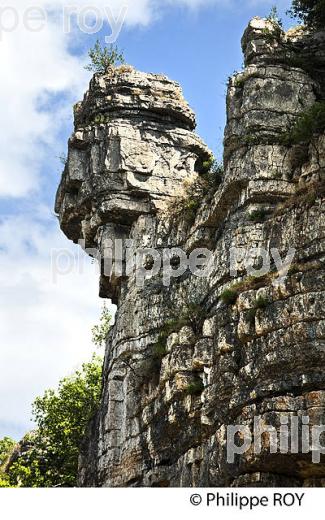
column 273, row 17
column 196, row 387
column 212, row 172
column 261, row 302
column 6, row 447
column 104, row 57
column 276, row 32
column 257, row 215
column 99, row 332
column 4, row 480
column 229, row 296
column 48, row 457
column 311, row 122
column 311, row 12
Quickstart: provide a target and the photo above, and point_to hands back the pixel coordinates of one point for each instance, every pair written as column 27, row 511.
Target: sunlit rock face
column 131, row 150
column 184, row 363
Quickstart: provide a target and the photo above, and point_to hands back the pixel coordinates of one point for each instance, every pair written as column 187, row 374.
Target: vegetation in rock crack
column 101, row 58
column 311, row 12
column 250, row 315
column 258, row 215
column 196, row 387
column 229, row 296
column 304, row 197
column 261, row 302
column 212, row 172
column 194, row 192
column 63, row 159
column 311, row 122
column 190, row 312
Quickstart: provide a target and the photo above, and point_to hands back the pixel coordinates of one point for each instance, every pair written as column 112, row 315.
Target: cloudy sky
column 45, row 322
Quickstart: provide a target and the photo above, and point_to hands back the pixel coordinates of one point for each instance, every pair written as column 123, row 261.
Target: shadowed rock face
column 131, row 150
column 164, row 412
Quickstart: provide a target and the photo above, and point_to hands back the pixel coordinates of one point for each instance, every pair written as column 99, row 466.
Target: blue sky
column 45, row 323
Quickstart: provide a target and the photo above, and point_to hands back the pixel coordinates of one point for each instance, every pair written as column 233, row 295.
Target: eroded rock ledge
column 164, row 412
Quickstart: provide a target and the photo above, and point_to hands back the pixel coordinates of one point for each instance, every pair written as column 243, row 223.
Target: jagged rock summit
column 186, row 361
column 132, row 148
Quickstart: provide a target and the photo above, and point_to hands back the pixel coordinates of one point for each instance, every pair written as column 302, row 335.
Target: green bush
column 277, row 26
column 99, row 332
column 257, row 215
column 311, row 12
column 273, row 16
column 207, row 165
column 7, row 446
column 193, row 314
column 261, row 302
column 309, row 123
column 203, row 187
column 229, row 296
column 159, row 349
column 214, row 175
column 196, row 387
column 104, row 57
column 240, row 81
column 48, row 457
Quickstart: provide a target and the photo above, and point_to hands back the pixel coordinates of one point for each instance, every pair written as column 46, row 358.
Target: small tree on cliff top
column 311, row 12
column 104, row 57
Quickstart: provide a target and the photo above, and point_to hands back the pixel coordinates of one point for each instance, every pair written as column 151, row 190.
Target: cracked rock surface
column 164, row 411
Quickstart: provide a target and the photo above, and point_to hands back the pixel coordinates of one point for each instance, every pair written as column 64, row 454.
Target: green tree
column 104, row 57
column 311, row 12
column 273, row 17
column 6, row 448
column 48, row 457
column 99, row 332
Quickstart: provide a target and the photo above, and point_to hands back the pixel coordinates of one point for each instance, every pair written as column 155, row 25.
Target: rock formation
column 185, row 361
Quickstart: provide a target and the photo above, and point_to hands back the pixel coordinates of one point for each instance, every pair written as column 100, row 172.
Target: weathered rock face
column 185, row 362
column 132, row 148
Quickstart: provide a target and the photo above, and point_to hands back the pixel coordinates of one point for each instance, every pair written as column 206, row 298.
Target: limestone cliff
column 185, row 361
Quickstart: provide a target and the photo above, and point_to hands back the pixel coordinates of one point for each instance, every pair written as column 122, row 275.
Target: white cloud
column 33, row 65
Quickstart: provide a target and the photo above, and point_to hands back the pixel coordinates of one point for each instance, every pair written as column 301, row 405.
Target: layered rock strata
column 186, row 361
